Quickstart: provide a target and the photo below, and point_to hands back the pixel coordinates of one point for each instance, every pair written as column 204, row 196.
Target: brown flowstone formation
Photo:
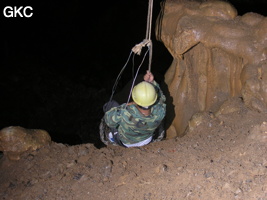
column 217, row 55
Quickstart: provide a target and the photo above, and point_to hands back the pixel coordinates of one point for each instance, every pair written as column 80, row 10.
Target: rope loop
column 138, row 47
column 137, row 50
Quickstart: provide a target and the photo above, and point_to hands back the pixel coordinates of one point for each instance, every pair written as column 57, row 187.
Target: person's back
column 133, row 124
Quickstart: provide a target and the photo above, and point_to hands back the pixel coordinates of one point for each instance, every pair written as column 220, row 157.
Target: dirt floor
column 220, row 158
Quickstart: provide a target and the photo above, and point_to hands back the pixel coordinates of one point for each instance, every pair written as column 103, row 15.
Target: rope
column 118, row 77
column 149, row 20
column 135, row 79
column 147, row 41
column 137, row 50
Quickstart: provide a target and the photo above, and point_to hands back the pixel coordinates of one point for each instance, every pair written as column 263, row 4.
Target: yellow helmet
column 144, row 94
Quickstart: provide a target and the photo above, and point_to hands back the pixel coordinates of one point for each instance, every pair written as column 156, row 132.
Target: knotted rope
column 147, row 41
column 137, row 50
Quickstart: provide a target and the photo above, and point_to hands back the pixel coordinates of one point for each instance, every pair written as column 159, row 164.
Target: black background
column 58, row 67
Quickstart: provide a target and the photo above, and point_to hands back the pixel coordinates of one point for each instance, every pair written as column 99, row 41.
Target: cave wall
column 217, row 54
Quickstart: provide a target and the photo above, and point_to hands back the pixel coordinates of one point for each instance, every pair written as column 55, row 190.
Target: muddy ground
column 221, row 158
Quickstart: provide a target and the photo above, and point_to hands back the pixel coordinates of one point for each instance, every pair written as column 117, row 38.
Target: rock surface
column 15, row 140
column 217, row 55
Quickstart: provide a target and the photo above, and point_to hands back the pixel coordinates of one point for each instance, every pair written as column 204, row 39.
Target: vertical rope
column 147, row 41
column 135, row 79
column 148, row 32
column 149, row 19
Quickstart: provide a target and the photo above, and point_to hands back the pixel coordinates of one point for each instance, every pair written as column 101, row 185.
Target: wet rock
column 15, row 140
column 217, row 55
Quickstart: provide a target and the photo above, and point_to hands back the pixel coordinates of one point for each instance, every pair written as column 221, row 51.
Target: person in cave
column 139, row 122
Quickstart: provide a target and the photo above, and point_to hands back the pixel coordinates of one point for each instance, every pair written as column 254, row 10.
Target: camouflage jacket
column 133, row 126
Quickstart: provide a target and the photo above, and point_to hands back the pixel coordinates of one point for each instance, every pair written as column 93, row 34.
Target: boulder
column 15, row 140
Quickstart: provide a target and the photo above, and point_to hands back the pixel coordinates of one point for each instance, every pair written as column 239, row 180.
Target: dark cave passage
column 60, row 85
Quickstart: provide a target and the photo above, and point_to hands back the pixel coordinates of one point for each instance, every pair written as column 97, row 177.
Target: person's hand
column 149, row 77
